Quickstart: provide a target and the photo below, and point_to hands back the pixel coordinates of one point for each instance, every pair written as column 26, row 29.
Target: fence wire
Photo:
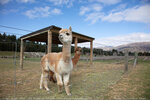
column 105, row 70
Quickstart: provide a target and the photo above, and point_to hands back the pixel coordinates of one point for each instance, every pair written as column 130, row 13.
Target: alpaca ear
column 70, row 29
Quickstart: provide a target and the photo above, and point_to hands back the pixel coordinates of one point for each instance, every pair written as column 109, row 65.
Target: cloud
column 134, row 14
column 94, row 17
column 119, row 8
column 83, row 10
column 8, row 11
column 25, row 1
column 2, row 2
column 69, row 3
column 21, row 1
column 107, row 2
column 56, row 11
column 96, row 7
column 123, row 39
column 93, row 7
column 118, row 40
column 42, row 12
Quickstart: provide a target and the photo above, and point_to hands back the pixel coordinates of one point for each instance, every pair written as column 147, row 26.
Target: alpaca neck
column 66, row 52
column 76, row 59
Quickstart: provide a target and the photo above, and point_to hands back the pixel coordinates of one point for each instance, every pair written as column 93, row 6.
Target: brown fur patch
column 51, row 77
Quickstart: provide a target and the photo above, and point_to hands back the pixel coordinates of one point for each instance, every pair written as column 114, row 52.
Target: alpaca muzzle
column 60, row 38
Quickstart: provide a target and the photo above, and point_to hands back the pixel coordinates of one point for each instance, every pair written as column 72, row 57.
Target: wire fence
column 102, row 73
column 88, row 80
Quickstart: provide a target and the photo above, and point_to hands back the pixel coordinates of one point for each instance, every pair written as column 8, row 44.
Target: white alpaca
column 59, row 63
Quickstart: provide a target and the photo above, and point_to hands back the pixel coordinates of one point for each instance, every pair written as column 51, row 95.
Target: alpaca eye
column 67, row 33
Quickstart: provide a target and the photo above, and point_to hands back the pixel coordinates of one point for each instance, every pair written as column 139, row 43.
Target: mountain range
column 137, row 46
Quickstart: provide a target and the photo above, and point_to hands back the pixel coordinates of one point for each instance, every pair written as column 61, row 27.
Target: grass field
column 8, row 53
column 134, row 85
column 103, row 80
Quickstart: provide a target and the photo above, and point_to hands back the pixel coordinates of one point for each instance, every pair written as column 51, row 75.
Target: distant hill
column 107, row 48
column 138, row 46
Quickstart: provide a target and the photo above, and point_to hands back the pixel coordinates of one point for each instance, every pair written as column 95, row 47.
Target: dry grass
column 97, row 81
column 134, row 85
column 87, row 81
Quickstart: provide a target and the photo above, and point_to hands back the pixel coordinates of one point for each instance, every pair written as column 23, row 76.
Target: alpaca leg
column 59, row 82
column 41, row 82
column 66, row 83
column 51, row 77
column 45, row 78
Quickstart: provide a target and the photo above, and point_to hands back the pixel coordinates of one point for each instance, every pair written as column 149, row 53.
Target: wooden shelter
column 49, row 35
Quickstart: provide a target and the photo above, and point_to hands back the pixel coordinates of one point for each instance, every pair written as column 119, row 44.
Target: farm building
column 49, row 35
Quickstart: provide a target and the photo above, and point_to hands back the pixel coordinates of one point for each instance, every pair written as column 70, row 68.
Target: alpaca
column 59, row 63
column 75, row 60
column 76, row 56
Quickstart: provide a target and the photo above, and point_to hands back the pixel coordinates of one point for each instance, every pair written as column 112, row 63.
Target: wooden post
column 126, row 61
column 21, row 54
column 75, row 43
column 91, row 51
column 135, row 59
column 46, row 48
column 49, row 41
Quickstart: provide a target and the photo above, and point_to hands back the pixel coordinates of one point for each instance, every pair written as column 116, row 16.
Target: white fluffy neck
column 66, row 52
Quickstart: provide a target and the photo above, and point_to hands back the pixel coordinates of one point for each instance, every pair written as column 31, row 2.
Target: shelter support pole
column 21, row 54
column 49, row 48
column 91, row 51
column 75, row 43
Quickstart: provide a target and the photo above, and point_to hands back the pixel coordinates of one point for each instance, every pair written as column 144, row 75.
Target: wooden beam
column 81, row 37
column 21, row 54
column 33, row 35
column 75, row 43
column 91, row 51
column 49, row 48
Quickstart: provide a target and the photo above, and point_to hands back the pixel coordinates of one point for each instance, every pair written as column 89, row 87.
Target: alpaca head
column 78, row 51
column 65, row 35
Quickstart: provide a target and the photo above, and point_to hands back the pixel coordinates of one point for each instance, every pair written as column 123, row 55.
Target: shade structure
column 42, row 35
column 49, row 35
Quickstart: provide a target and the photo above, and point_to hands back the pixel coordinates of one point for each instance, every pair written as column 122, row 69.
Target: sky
column 110, row 22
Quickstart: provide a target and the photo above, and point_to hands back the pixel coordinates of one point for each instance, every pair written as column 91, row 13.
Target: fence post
column 135, row 59
column 15, row 83
column 126, row 61
column 91, row 52
column 21, row 53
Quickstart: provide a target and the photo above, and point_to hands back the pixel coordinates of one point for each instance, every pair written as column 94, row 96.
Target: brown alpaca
column 75, row 60
column 76, row 56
